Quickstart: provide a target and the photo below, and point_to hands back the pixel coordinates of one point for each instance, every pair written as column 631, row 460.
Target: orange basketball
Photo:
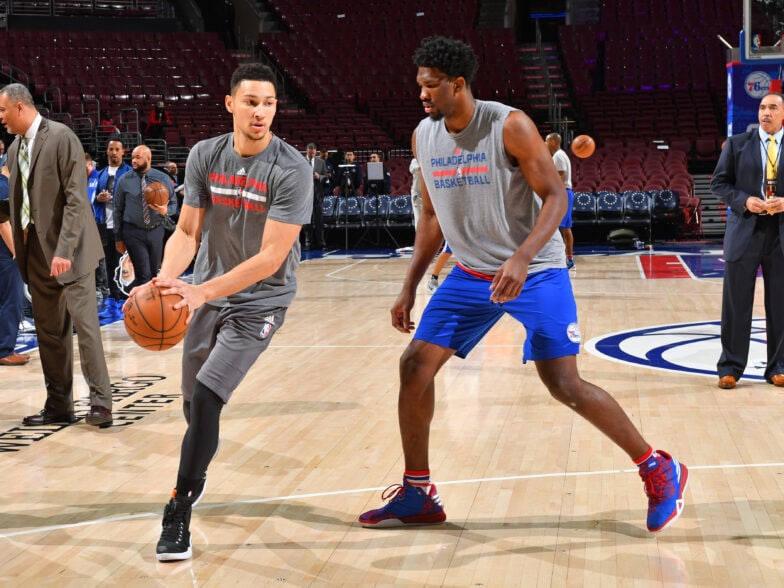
column 583, row 146
column 156, row 193
column 152, row 321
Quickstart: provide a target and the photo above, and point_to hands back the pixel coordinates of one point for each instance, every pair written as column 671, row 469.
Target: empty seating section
column 113, row 8
column 357, row 212
column 87, row 72
column 653, row 69
column 619, row 185
column 651, row 214
column 649, row 70
column 358, row 79
column 351, row 85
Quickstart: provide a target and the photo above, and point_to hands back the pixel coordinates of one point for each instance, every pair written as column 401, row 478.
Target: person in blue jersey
column 101, row 275
column 481, row 163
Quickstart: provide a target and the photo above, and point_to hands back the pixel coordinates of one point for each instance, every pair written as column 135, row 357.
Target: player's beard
column 257, row 139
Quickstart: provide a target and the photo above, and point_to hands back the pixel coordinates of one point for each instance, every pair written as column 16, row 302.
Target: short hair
column 253, row 71
column 455, row 58
column 779, row 94
column 18, row 93
column 87, row 156
column 311, row 146
column 113, row 139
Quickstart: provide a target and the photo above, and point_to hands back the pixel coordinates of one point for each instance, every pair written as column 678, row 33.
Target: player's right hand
column 401, row 313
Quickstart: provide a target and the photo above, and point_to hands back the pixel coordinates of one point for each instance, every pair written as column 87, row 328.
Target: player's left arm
column 525, row 146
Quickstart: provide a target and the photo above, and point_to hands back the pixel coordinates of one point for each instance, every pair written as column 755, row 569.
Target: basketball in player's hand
column 152, row 321
column 583, row 146
column 156, row 193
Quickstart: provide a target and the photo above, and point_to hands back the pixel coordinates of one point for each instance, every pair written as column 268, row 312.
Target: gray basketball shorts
column 223, row 343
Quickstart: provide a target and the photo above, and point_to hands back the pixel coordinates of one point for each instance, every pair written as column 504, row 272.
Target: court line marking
column 334, row 274
column 290, row 497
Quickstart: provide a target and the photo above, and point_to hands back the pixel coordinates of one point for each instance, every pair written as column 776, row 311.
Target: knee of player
column 414, row 366
column 567, row 390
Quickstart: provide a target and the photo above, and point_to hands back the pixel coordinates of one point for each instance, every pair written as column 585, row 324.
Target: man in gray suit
column 57, row 250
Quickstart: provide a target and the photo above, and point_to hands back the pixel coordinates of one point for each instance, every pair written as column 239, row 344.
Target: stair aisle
column 714, row 212
column 534, row 75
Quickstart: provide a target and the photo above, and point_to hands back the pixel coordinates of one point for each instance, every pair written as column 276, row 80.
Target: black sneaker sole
column 175, row 556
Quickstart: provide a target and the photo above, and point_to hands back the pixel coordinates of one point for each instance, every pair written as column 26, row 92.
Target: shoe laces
column 174, row 522
column 656, row 484
column 394, row 492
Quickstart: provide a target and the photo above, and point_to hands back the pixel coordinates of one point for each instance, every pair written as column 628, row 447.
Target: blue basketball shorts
column 460, row 314
column 566, row 221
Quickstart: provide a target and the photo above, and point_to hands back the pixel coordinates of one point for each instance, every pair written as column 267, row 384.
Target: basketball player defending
column 481, row 164
column 248, row 194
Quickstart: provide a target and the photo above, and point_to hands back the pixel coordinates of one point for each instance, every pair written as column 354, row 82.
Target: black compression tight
column 201, row 438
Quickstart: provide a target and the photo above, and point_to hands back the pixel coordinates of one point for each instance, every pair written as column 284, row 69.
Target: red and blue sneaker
column 409, row 505
column 665, row 480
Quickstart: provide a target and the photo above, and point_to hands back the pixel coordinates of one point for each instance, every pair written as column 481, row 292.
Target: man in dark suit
column 747, row 171
column 141, row 234
column 57, row 249
column 320, row 176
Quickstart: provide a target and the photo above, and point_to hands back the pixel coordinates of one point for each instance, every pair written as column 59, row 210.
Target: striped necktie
column 145, row 206
column 24, row 170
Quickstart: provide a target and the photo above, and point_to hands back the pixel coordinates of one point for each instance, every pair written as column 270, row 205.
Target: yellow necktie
column 772, row 167
column 24, row 171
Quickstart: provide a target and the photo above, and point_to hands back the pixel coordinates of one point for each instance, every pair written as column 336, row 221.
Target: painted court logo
column 688, row 347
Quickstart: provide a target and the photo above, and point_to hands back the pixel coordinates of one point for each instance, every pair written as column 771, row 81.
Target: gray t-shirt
column 484, row 204
column 239, row 195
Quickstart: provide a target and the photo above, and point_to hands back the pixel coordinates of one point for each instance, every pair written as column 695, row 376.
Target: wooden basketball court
column 535, row 496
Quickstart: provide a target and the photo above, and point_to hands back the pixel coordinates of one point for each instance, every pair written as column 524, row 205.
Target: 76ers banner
column 746, row 85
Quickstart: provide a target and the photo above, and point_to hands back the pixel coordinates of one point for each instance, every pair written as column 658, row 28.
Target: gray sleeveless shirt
column 484, row 204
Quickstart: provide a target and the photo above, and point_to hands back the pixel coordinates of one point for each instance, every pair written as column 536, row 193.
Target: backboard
column 762, row 37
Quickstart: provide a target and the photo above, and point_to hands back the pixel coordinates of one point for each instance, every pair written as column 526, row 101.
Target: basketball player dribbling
column 248, row 194
column 481, row 164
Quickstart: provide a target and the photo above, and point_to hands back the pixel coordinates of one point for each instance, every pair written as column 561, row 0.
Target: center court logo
column 687, row 347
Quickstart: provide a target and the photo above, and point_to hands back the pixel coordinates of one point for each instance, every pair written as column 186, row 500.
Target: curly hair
column 253, row 71
column 453, row 57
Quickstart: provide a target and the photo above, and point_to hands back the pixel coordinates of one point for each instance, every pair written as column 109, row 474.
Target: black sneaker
column 175, row 541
